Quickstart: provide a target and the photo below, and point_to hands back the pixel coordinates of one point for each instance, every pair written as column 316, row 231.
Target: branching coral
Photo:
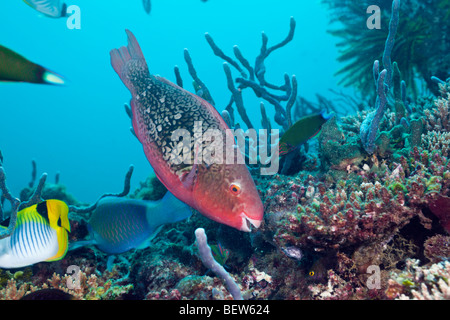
column 421, row 283
column 91, row 286
column 255, row 79
column 438, row 116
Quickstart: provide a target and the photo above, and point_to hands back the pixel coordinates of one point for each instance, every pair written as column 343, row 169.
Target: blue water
column 81, row 129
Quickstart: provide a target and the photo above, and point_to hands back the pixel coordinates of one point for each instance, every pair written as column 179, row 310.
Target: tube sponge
column 210, row 263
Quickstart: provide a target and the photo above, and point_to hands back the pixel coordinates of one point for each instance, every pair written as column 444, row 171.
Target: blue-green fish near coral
column 41, row 234
column 119, row 225
column 301, row 131
column 15, row 68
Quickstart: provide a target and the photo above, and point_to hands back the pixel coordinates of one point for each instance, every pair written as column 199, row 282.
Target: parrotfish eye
column 235, row 189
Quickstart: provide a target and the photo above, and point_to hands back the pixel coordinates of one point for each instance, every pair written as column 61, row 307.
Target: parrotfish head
column 227, row 194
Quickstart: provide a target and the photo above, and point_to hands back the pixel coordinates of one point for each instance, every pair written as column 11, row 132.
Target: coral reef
column 91, row 285
column 421, row 283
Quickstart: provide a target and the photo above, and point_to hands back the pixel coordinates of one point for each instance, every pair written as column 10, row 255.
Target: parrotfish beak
column 247, row 223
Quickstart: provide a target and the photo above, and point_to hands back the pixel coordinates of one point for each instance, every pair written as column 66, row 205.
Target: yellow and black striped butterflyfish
column 301, row 131
column 15, row 68
column 41, row 234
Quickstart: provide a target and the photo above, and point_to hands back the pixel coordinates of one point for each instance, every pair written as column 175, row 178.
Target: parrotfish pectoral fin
column 80, row 244
column 189, row 179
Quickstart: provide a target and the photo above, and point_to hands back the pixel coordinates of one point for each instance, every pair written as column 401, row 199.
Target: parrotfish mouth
column 247, row 223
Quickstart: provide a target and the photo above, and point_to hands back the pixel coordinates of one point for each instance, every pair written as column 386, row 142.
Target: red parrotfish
column 223, row 191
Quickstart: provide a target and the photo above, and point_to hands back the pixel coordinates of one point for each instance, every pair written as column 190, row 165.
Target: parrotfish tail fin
column 121, row 57
column 169, row 210
column 80, row 244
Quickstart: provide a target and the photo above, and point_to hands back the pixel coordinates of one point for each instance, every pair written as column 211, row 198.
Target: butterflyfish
column 301, row 131
column 15, row 68
column 221, row 189
column 50, row 8
column 41, row 234
column 118, row 224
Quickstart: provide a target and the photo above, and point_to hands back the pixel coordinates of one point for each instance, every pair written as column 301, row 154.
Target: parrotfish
column 14, row 67
column 41, row 234
column 50, row 8
column 223, row 191
column 118, row 225
column 301, row 131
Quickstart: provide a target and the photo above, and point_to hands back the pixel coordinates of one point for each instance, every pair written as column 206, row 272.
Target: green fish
column 219, row 253
column 15, row 68
column 301, row 131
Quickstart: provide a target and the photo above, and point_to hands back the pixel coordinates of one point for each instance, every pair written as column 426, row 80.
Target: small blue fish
column 119, row 225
